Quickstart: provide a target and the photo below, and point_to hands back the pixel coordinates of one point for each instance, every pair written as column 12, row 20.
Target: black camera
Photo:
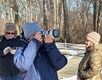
column 54, row 33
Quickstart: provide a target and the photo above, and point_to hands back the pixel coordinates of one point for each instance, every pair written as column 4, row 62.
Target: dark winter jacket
column 39, row 62
column 7, row 67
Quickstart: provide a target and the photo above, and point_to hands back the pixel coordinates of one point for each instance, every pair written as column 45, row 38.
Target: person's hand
column 38, row 36
column 12, row 51
column 6, row 50
column 9, row 49
column 48, row 39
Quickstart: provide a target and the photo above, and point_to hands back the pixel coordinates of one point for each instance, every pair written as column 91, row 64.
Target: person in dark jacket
column 10, row 40
column 39, row 59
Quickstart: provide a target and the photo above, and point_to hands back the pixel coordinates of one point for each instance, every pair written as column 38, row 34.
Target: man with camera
column 39, row 59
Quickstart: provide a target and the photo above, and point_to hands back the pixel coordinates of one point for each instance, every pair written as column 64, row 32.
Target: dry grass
column 70, row 69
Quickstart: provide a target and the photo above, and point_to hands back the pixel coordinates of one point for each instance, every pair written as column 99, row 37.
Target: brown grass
column 70, row 69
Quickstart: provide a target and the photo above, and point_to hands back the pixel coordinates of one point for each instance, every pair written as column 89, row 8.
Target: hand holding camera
column 48, row 38
column 9, row 49
column 49, row 35
column 38, row 36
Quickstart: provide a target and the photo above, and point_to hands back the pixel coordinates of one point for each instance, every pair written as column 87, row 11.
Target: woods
column 74, row 18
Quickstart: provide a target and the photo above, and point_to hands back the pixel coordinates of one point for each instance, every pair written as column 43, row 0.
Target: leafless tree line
column 74, row 18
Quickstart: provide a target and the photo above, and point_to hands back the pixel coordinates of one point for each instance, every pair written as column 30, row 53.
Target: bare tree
column 74, row 18
column 66, row 23
column 45, row 21
column 96, row 13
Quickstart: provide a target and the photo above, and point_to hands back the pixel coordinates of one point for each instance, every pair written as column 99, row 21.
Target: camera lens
column 56, row 33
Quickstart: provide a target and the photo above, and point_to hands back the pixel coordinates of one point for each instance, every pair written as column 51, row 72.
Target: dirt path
column 70, row 69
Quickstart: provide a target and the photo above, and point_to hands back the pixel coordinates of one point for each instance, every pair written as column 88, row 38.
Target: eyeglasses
column 10, row 33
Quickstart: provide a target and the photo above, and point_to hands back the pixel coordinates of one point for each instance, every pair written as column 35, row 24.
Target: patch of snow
column 70, row 78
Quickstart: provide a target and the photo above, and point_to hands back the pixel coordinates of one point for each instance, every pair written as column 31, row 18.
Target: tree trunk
column 66, row 22
column 45, row 21
column 6, row 13
column 16, row 20
column 96, row 13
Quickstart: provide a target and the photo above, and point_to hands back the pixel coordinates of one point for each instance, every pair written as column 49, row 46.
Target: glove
column 12, row 51
column 6, row 50
column 9, row 49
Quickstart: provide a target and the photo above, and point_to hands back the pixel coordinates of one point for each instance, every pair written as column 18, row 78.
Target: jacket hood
column 30, row 29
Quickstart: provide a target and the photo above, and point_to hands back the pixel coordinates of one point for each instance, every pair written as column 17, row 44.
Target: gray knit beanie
column 30, row 29
column 10, row 27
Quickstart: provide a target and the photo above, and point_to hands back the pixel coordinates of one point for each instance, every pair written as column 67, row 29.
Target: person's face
column 37, row 36
column 88, row 43
column 31, row 37
column 10, row 34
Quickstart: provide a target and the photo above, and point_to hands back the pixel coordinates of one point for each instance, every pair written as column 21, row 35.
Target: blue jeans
column 17, row 77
